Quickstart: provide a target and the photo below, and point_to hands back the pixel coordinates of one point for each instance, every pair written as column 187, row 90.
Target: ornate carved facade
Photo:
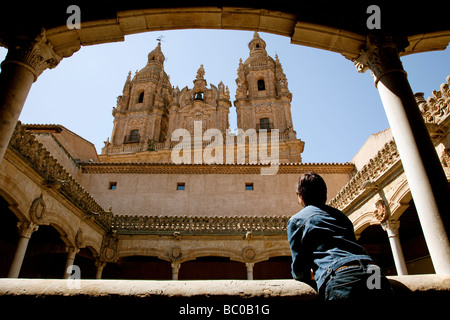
column 150, row 109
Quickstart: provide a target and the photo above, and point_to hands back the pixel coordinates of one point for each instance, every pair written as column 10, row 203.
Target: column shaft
column 391, row 227
column 71, row 253
column 25, row 231
column 25, row 61
column 15, row 83
column 423, row 170
column 249, row 267
column 175, row 270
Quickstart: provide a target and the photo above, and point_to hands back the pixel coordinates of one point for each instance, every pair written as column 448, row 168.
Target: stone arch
column 362, row 221
column 399, row 201
column 145, row 252
column 18, row 201
column 65, row 228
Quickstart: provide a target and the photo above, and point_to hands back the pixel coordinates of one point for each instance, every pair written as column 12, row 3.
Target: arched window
column 141, row 97
column 198, row 96
column 261, row 85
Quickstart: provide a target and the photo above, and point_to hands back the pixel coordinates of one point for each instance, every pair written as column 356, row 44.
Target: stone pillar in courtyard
column 424, row 172
column 391, row 227
column 175, row 270
column 100, row 266
column 71, row 253
column 25, row 61
column 26, row 229
column 249, row 267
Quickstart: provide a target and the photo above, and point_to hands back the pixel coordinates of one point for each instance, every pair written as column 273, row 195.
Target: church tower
column 150, row 109
column 263, row 100
column 140, row 117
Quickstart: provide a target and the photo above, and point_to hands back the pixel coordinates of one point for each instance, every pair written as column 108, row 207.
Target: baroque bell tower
column 263, row 100
column 140, row 117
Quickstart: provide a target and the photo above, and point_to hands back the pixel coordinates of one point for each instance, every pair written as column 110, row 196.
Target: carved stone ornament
column 382, row 211
column 248, row 253
column 37, row 210
column 175, row 254
column 79, row 239
column 380, row 56
column 109, row 248
column 35, row 55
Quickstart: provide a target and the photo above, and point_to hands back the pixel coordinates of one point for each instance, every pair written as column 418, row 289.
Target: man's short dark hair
column 312, row 188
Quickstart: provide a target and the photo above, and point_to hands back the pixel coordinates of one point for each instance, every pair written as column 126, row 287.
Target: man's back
column 322, row 238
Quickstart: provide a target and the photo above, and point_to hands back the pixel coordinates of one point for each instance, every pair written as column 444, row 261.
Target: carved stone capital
column 380, row 56
column 72, row 250
column 36, row 55
column 26, row 228
column 391, row 227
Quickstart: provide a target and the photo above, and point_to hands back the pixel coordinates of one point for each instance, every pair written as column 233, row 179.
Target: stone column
column 71, row 253
column 100, row 266
column 249, row 267
column 175, row 270
column 391, row 227
column 26, row 229
column 424, row 172
column 25, row 61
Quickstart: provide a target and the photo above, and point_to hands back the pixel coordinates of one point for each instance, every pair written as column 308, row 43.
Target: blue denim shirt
column 323, row 239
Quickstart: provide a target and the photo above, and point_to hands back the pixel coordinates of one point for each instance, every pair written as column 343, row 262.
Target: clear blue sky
column 335, row 109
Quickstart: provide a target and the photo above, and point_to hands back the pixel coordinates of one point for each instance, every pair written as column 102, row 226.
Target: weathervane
column 160, row 39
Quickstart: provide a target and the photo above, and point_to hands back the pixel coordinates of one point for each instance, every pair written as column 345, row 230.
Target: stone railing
column 169, row 145
column 199, row 225
column 218, row 299
column 376, row 166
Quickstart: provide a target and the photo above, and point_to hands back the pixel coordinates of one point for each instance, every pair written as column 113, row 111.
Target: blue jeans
column 358, row 281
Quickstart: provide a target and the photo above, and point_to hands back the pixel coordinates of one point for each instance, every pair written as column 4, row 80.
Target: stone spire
column 156, row 56
column 257, row 44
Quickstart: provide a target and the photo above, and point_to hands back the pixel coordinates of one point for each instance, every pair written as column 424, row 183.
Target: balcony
column 132, row 138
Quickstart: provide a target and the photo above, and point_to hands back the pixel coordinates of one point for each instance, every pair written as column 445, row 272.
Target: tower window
column 261, row 85
column 249, row 186
column 264, row 124
column 181, row 186
column 133, row 137
column 199, row 96
column 112, row 185
column 141, row 97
